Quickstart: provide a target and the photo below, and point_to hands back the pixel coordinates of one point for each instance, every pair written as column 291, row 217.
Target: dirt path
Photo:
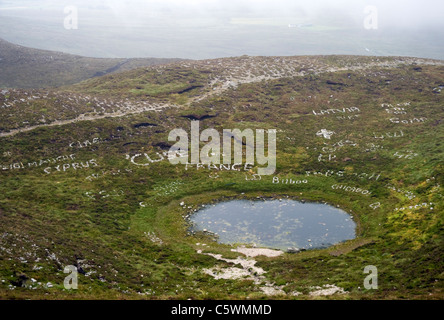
column 232, row 82
column 84, row 117
column 224, row 84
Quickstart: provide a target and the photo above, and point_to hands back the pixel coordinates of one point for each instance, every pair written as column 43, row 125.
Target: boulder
column 293, row 250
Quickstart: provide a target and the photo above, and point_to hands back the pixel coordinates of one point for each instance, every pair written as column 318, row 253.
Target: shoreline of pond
column 191, row 231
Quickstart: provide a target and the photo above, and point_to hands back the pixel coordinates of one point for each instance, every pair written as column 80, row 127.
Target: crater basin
column 276, row 224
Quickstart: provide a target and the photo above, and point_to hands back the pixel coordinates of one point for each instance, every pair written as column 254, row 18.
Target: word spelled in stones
column 408, row 155
column 222, row 167
column 417, row 206
column 338, row 145
column 36, row 164
column 276, row 180
column 75, row 166
column 371, row 147
column 330, row 157
column 85, row 143
column 350, row 189
column 343, row 173
column 353, row 117
column 254, row 177
column 398, row 134
column 408, row 121
column 335, row 111
column 398, row 109
column 144, row 159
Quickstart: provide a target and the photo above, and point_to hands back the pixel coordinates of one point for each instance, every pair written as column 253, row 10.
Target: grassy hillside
column 22, row 67
column 77, row 190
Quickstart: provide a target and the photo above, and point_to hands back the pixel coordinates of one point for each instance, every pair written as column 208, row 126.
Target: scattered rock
column 144, row 125
column 327, row 290
column 295, row 250
column 273, row 291
column 254, row 252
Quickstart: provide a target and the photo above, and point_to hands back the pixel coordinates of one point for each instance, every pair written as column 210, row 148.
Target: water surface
column 278, row 224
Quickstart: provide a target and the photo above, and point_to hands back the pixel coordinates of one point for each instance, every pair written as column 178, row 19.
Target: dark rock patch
column 144, row 125
column 129, row 143
column 189, row 89
column 163, row 145
column 335, row 83
column 197, row 117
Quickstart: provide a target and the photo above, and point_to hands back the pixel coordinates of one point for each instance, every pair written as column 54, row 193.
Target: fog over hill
column 201, row 29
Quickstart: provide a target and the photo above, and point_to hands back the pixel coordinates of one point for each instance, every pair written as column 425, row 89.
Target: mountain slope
column 22, row 67
column 86, row 181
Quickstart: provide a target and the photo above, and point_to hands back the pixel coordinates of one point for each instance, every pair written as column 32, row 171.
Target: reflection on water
column 278, row 224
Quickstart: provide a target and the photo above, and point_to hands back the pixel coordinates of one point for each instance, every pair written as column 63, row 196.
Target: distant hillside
column 22, row 67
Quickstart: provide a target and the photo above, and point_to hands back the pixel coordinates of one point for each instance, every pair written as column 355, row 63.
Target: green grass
column 70, row 217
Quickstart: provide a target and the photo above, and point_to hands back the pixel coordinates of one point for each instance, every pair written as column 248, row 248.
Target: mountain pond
column 276, row 224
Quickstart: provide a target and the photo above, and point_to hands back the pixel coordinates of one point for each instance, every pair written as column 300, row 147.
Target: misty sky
column 199, row 29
